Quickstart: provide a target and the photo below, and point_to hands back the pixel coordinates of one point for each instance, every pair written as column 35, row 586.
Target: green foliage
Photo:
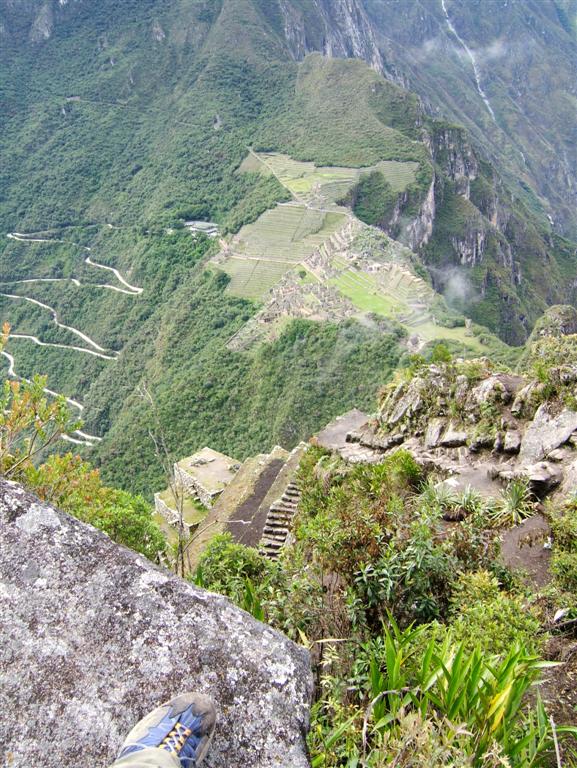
column 369, row 560
column 550, row 361
column 234, row 570
column 30, row 423
column 441, row 354
column 476, row 697
column 286, row 390
column 482, row 615
column 373, row 199
column 515, row 504
column 563, row 521
column 74, row 486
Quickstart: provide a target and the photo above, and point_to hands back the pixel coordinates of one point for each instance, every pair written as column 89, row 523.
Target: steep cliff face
column 339, row 28
column 98, row 637
column 452, row 151
column 473, row 62
column 31, row 21
column 413, row 228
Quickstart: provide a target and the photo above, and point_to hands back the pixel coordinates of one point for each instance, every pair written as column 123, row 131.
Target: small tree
column 30, row 421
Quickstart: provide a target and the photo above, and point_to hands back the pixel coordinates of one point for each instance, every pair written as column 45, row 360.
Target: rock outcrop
column 483, row 426
column 95, row 636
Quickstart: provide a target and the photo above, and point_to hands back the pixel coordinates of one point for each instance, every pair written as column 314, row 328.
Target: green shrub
column 441, row 354
column 226, row 567
column 475, row 699
column 75, row 486
column 483, row 616
column 564, row 567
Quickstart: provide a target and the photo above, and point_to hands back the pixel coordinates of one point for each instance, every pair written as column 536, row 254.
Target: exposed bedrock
column 94, row 636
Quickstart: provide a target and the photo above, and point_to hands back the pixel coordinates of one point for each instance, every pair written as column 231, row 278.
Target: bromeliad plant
column 515, row 504
column 480, row 698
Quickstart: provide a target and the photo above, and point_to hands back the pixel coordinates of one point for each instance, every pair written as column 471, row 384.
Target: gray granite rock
column 546, row 432
column 543, row 477
column 94, row 636
column 512, row 442
column 569, row 487
column 433, row 433
column 561, row 454
column 453, row 437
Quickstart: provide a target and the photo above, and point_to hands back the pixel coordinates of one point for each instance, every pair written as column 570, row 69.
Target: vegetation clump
column 423, row 646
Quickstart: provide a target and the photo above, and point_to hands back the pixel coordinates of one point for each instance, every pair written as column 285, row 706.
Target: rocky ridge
column 480, row 425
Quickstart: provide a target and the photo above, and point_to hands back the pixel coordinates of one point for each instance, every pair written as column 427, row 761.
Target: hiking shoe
column 182, row 726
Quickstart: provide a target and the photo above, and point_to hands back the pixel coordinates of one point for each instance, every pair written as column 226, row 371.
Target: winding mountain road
column 72, row 280
column 57, row 322
column 30, row 238
column 82, row 438
column 37, row 341
column 78, row 437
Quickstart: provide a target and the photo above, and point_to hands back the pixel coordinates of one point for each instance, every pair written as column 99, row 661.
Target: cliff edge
column 95, row 636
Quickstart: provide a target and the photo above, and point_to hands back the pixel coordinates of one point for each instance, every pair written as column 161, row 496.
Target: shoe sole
column 205, row 747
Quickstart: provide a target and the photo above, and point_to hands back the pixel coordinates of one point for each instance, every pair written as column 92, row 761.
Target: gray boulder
column 512, row 442
column 433, row 433
column 94, row 636
column 453, row 437
column 543, row 477
column 569, row 487
column 546, row 432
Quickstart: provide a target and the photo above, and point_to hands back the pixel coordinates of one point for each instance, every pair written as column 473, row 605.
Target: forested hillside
column 122, row 121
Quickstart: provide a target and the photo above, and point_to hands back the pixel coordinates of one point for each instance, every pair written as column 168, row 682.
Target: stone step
column 270, row 555
column 270, row 520
column 270, row 546
column 273, row 527
column 283, row 507
column 289, row 501
column 279, row 536
column 269, row 543
column 280, row 516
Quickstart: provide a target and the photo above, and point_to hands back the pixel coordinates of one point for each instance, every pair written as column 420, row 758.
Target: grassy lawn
column 308, row 278
column 363, row 291
column 430, row 331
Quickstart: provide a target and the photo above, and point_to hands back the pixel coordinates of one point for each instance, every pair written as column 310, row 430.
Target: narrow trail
column 57, row 322
column 472, row 59
column 82, row 438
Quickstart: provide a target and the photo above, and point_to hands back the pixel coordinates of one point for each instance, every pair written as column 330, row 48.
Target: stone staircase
column 278, row 522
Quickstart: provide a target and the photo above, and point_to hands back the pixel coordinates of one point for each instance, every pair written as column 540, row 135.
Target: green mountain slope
column 120, row 123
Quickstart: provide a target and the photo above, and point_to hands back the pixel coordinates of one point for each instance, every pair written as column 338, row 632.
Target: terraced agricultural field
column 287, row 233
column 279, row 240
column 314, row 184
column 253, row 278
